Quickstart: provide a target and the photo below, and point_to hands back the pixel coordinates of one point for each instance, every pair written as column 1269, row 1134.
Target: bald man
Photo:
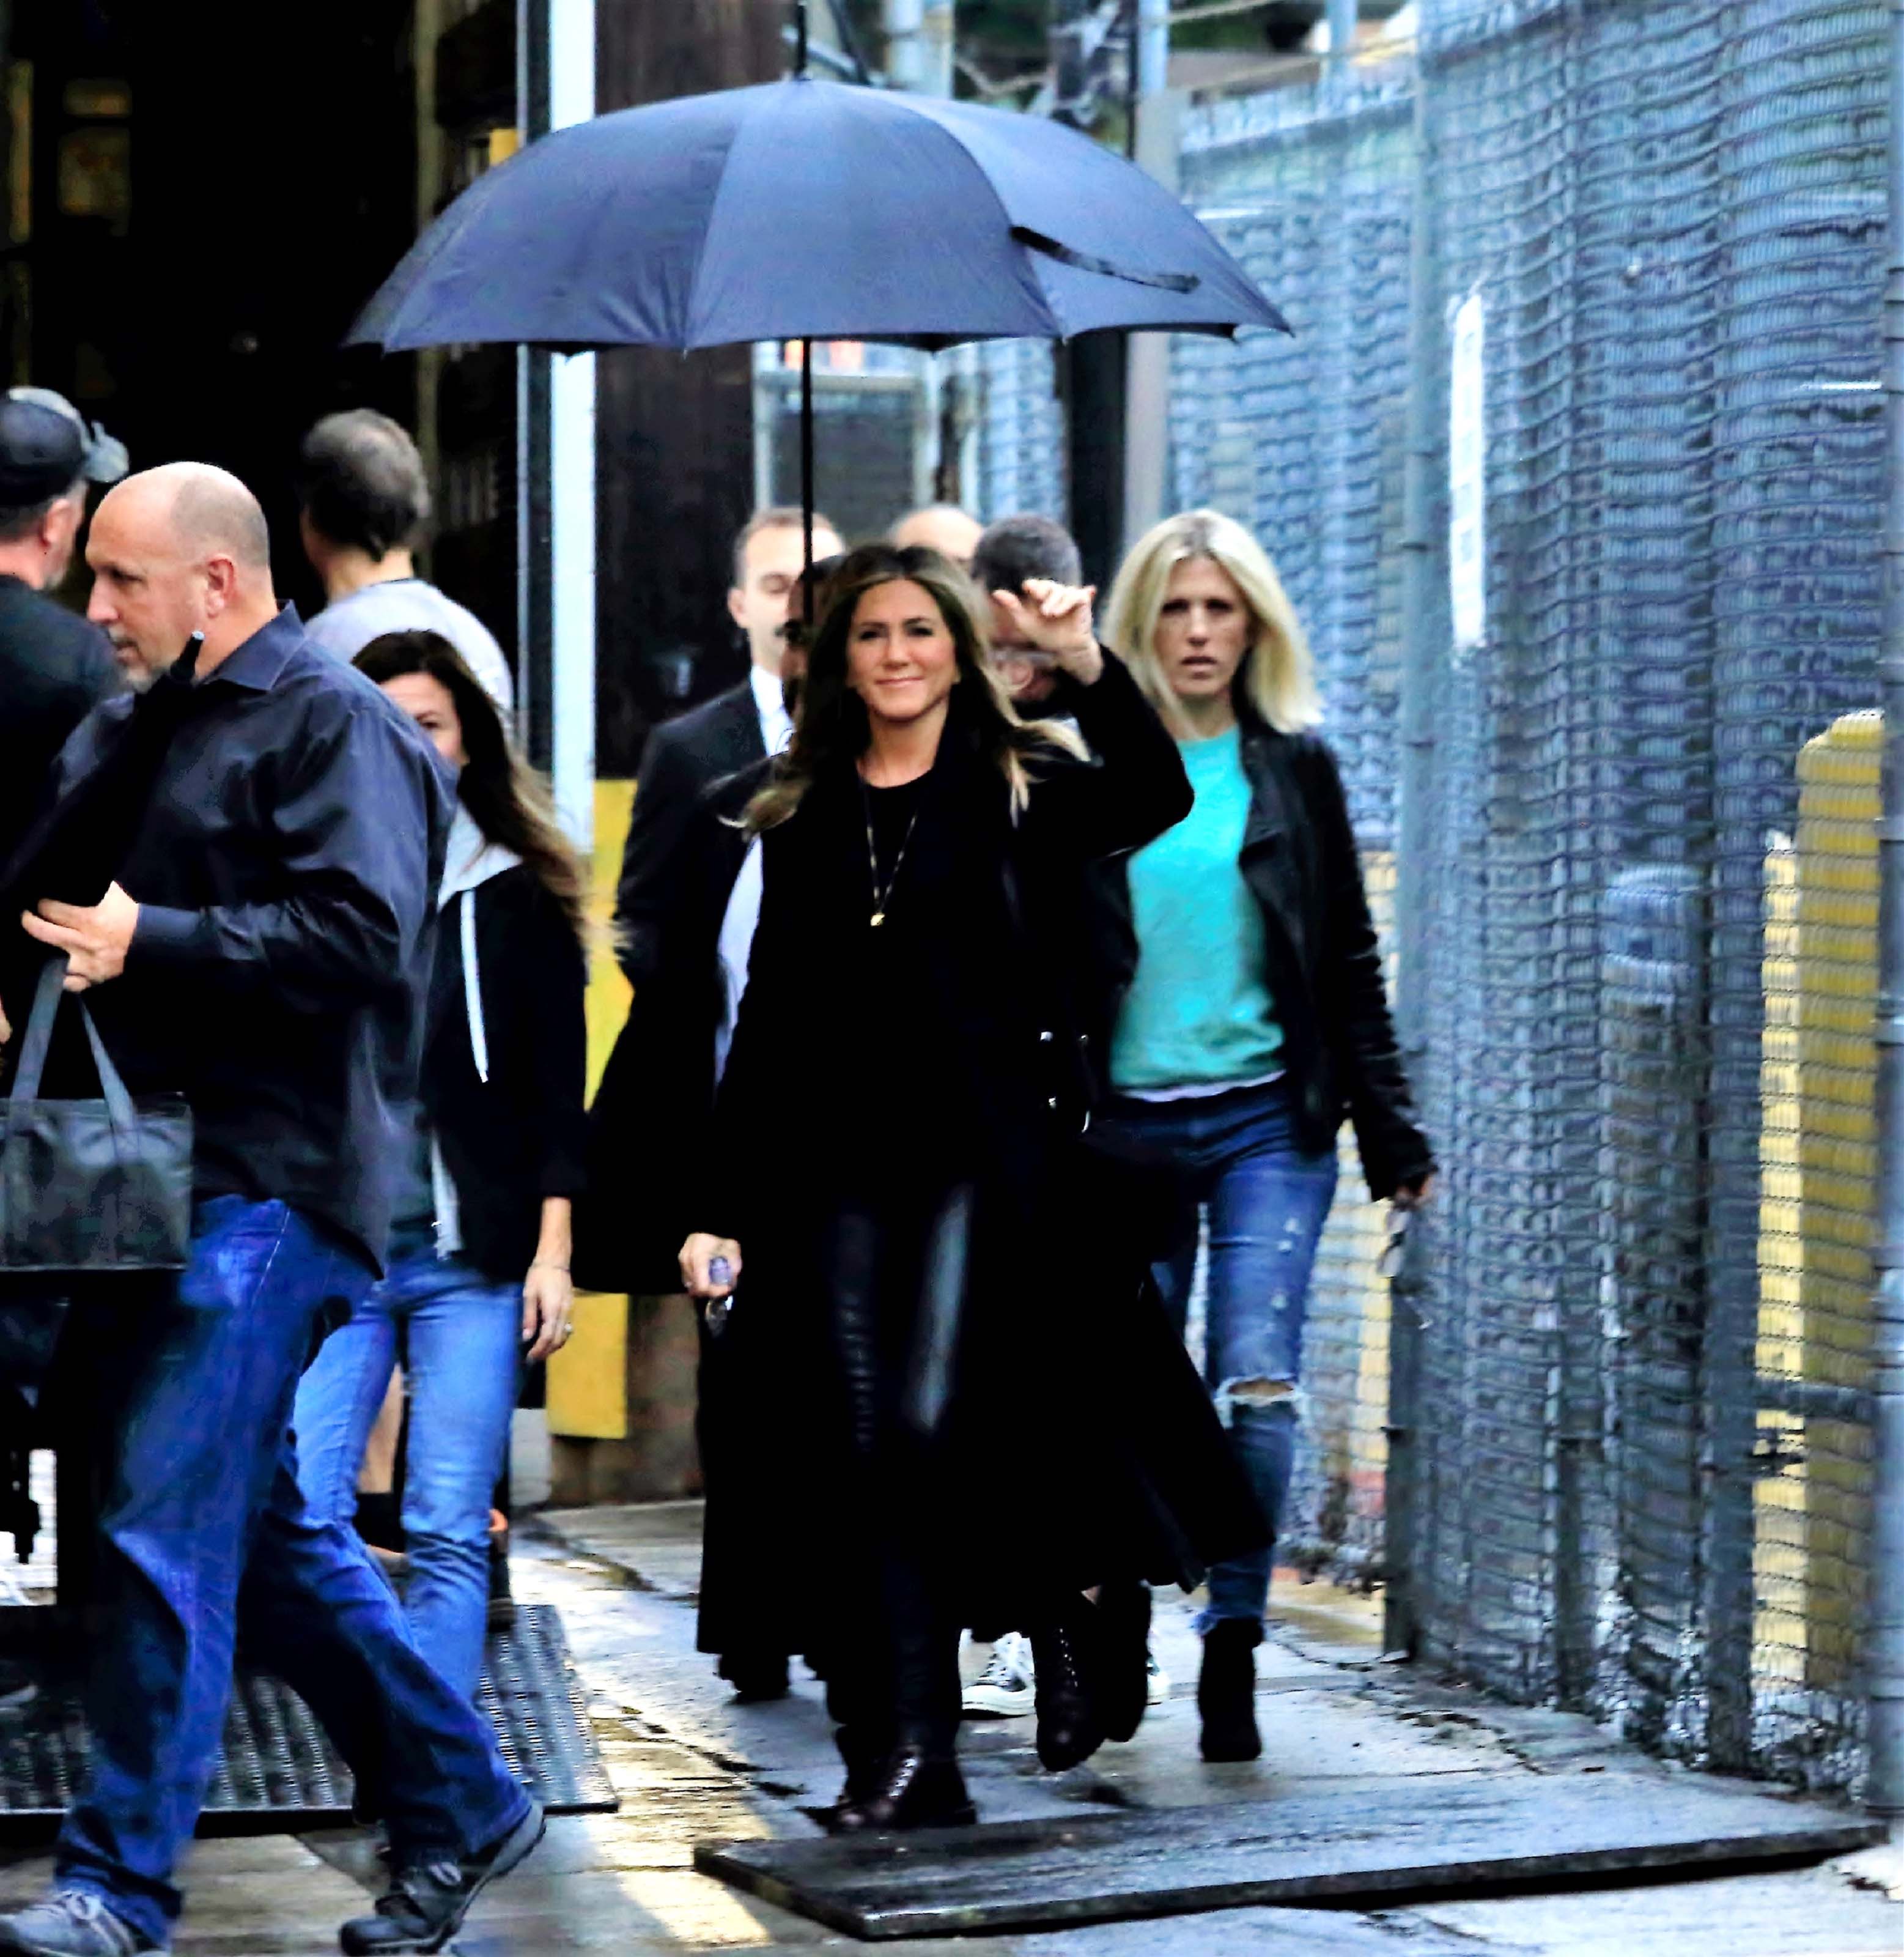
column 941, row 526
column 264, row 949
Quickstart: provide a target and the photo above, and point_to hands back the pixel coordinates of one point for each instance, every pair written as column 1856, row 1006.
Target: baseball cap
column 46, row 446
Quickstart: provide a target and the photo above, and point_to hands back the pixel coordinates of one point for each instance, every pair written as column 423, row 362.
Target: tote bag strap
column 119, row 1110
column 39, row 1040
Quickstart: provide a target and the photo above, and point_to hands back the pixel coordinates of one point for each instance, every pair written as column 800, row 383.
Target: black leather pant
column 896, row 1269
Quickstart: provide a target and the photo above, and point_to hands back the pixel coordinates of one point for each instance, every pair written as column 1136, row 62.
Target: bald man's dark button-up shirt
column 286, row 871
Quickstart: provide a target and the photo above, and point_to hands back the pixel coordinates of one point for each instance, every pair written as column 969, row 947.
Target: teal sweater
column 1198, row 1012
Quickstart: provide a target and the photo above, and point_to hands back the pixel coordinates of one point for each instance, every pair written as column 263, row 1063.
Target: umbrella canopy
column 804, row 209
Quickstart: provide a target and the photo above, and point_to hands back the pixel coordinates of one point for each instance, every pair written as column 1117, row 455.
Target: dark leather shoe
column 910, row 1790
column 425, row 1905
column 757, row 1676
column 1124, row 1673
column 1227, row 1690
column 1070, row 1729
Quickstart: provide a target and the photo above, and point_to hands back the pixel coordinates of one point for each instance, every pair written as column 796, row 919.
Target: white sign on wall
column 1467, row 483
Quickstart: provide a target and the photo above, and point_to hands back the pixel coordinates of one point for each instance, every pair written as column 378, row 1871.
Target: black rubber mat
column 278, row 1772
column 1371, row 1843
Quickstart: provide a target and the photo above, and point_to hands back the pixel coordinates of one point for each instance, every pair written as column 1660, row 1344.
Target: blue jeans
column 1235, row 1155
column 459, row 1339
column 204, row 1528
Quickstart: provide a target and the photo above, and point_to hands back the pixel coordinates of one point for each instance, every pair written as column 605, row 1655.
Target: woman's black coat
column 1070, row 1381
column 521, row 1135
column 1300, row 860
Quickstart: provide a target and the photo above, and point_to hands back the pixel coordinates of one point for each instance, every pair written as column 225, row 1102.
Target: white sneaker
column 1007, row 1688
column 1157, row 1681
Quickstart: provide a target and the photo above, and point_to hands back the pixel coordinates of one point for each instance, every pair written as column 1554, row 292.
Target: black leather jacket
column 1299, row 858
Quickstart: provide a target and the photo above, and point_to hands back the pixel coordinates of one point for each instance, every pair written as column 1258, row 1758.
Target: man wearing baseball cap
column 54, row 667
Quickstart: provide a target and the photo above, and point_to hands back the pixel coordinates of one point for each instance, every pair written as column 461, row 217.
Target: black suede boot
column 1065, row 1653
column 1227, row 1690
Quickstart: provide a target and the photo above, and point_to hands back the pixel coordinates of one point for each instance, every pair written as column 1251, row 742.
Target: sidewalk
column 691, row 1766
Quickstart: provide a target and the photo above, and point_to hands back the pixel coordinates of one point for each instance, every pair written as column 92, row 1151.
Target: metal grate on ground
column 278, row 1771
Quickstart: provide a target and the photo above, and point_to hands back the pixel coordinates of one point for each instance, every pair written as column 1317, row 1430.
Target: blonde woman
column 1245, row 1018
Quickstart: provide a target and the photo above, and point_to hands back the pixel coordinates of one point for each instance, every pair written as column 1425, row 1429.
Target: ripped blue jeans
column 1234, row 1155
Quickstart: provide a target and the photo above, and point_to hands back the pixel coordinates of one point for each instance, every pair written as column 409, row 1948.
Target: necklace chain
column 881, row 898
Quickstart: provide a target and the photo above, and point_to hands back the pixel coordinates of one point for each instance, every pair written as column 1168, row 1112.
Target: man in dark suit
column 685, row 755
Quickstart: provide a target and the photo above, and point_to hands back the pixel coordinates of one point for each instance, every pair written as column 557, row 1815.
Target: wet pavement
column 691, row 1766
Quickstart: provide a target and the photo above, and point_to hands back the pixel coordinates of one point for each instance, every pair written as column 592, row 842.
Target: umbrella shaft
column 807, row 467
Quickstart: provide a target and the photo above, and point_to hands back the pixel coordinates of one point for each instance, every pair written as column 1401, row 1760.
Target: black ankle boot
column 864, row 1750
column 757, row 1676
column 912, row 1790
column 1227, row 1690
column 1124, row 1675
column 1069, row 1727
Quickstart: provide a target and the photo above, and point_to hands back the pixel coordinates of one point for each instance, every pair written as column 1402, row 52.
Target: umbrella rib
column 985, row 177
column 1083, row 261
column 688, row 340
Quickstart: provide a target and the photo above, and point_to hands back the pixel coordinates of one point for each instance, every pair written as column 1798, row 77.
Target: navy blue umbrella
column 805, row 210
column 808, row 210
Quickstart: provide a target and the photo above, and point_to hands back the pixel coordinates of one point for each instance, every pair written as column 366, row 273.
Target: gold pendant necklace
column 881, row 898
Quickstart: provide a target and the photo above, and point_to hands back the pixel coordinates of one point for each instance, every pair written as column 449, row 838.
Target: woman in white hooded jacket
column 477, row 1278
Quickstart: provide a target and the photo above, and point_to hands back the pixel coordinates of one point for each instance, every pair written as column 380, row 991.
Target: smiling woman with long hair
column 906, row 1036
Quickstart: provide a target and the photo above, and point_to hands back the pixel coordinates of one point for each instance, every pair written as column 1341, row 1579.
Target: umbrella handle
column 807, row 468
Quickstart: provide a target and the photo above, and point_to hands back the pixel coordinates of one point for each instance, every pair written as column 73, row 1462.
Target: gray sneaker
column 71, row 1923
column 424, row 1906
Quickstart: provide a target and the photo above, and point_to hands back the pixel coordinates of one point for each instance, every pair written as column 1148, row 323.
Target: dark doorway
column 201, row 196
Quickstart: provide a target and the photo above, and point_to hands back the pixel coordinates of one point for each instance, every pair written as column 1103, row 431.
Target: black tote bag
column 91, row 1185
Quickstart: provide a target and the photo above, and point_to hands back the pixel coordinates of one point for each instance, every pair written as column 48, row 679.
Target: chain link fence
column 1641, row 1436
column 1635, row 1405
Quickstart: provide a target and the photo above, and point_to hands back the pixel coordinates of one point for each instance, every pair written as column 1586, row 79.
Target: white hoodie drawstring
column 472, row 989
column 478, row 860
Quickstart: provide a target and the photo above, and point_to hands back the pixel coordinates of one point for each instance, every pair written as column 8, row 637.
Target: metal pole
column 919, row 59
column 1342, row 25
column 1424, row 614
column 1884, row 1790
column 571, row 498
column 904, row 22
column 937, row 34
column 534, row 693
column 1152, row 47
column 919, row 35
column 1156, row 128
